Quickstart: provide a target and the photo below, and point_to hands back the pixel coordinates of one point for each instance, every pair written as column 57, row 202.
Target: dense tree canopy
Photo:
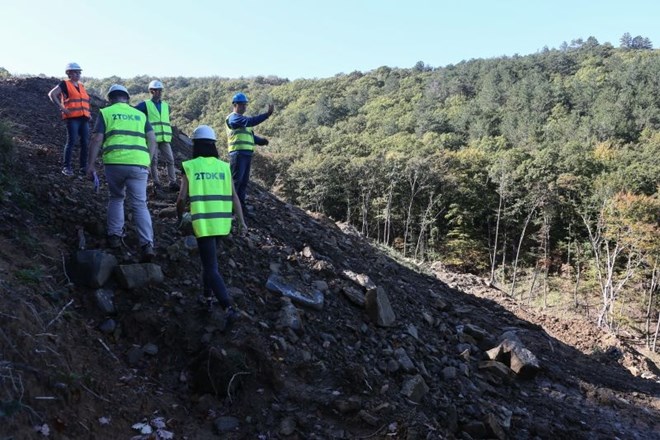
column 506, row 165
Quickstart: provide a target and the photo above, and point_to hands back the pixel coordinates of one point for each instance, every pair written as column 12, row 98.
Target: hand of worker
column 242, row 229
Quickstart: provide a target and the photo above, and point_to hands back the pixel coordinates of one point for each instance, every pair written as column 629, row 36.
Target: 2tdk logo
column 123, row 117
column 209, row 176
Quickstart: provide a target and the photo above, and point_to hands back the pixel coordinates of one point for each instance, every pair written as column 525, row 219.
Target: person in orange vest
column 72, row 99
column 213, row 199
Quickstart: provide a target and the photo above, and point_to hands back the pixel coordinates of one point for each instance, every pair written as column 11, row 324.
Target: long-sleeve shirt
column 142, row 106
column 237, row 121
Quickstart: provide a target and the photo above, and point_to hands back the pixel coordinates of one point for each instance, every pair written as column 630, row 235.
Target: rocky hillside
column 337, row 339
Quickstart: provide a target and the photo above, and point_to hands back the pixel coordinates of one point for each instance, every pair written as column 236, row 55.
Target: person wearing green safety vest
column 158, row 112
column 213, row 199
column 241, row 141
column 127, row 142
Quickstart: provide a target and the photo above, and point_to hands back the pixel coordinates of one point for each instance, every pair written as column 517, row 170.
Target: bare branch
column 241, row 373
column 60, row 313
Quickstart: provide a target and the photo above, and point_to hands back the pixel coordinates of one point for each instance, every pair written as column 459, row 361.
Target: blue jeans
column 213, row 281
column 128, row 182
column 75, row 128
column 239, row 163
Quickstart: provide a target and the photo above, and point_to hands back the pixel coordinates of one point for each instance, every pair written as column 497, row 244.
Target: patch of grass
column 7, row 147
column 32, row 276
column 28, row 241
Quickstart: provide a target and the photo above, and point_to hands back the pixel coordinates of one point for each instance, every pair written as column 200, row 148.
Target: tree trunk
column 427, row 220
column 387, row 228
column 504, row 241
column 497, row 231
column 652, row 288
column 655, row 337
column 531, row 287
column 522, row 236
column 577, row 274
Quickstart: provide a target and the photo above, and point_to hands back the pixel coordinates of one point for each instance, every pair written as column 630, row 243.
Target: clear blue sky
column 295, row 38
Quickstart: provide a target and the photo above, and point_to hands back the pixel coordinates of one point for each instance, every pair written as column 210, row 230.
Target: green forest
column 537, row 172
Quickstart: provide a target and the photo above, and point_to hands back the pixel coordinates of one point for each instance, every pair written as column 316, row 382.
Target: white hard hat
column 203, row 132
column 72, row 66
column 155, row 84
column 118, row 88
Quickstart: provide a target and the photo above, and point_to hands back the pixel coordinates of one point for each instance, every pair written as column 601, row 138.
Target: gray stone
column 226, row 424
column 493, row 426
column 324, row 266
column 133, row 276
column 91, row 268
column 350, row 405
column 412, row 331
column 414, row 388
column 190, row 242
column 516, row 356
column 134, row 356
column 464, row 369
column 288, row 426
column 320, row 285
column 108, row 326
column 404, row 360
column 475, row 331
column 313, row 299
column 150, row 349
column 476, row 429
column 355, row 296
column 104, row 299
column 289, row 316
column 496, row 369
column 359, row 278
column 449, row 373
column 369, row 418
column 307, row 252
column 378, row 307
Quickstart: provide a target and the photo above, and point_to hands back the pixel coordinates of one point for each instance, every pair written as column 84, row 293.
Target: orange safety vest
column 78, row 101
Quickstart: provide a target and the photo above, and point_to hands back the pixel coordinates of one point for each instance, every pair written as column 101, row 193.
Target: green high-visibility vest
column 211, row 203
column 241, row 138
column 160, row 120
column 125, row 141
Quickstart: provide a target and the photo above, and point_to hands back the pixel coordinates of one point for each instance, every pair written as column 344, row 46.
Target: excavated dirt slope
column 156, row 359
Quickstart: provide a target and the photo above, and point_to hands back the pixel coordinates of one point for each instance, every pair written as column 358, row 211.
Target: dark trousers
column 76, row 128
column 213, row 281
column 239, row 163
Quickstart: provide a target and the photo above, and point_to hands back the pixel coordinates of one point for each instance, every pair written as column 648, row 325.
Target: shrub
column 7, row 150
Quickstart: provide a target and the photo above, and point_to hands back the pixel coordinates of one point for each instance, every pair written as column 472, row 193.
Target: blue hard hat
column 239, row 98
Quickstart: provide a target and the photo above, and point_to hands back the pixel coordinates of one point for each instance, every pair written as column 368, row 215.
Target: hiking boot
column 174, row 187
column 114, row 241
column 67, row 171
column 148, row 253
column 157, row 190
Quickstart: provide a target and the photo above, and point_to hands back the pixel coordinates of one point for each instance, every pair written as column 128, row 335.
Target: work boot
column 67, row 171
column 148, row 253
column 114, row 241
column 157, row 190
